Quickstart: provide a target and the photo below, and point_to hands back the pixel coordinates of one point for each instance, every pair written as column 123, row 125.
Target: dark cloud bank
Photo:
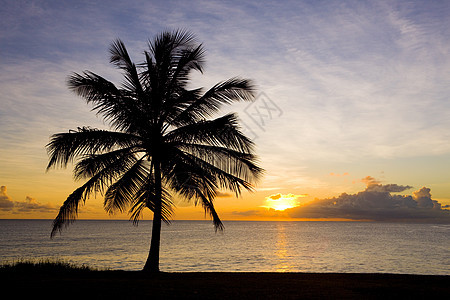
column 377, row 203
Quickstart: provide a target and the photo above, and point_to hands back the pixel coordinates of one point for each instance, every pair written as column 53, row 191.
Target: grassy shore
column 69, row 282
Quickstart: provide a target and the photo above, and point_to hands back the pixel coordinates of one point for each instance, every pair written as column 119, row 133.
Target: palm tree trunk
column 152, row 263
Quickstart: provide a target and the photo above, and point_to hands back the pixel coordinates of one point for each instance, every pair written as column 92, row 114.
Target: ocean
column 244, row 246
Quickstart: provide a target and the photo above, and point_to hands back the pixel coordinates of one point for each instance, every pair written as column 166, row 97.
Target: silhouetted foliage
column 162, row 140
column 43, row 265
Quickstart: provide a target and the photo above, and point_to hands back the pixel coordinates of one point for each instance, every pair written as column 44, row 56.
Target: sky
column 351, row 121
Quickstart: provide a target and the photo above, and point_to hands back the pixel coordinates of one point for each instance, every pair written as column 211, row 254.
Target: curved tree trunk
column 152, row 263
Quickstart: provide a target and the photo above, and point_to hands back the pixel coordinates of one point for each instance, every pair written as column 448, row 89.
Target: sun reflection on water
column 282, row 253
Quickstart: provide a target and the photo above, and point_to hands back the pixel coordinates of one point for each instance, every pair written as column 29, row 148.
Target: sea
column 243, row 246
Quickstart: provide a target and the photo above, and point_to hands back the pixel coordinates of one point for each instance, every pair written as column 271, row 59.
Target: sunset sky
column 352, row 120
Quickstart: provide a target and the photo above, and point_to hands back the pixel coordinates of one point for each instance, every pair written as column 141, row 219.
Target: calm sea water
column 188, row 246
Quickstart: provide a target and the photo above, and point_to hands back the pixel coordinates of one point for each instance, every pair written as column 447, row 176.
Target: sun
column 282, row 202
column 283, row 205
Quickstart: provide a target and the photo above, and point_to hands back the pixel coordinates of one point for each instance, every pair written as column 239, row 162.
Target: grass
column 43, row 265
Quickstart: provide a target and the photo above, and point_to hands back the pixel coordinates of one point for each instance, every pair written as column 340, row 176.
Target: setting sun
column 282, row 202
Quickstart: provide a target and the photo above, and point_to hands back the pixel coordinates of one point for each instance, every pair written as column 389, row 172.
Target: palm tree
column 163, row 141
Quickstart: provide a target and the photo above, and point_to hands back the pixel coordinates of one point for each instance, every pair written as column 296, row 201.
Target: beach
column 218, row 285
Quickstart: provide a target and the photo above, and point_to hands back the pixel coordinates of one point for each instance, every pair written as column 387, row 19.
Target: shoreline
column 223, row 285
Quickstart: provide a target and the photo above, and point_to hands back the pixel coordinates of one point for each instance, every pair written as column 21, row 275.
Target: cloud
column 6, row 204
column 247, row 213
column 283, row 197
column 274, row 197
column 223, row 194
column 374, row 185
column 377, row 203
column 423, row 199
column 388, row 188
column 279, row 196
column 29, row 205
column 369, row 180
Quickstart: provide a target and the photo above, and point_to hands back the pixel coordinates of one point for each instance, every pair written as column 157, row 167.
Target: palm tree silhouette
column 163, row 141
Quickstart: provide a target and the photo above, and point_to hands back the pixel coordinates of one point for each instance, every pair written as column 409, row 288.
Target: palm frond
column 188, row 173
column 92, row 87
column 177, row 104
column 170, row 59
column 123, row 192
column 226, row 92
column 189, row 59
column 208, row 205
column 242, row 165
column 91, row 164
column 64, row 147
column 146, row 198
column 223, row 131
column 120, row 58
column 119, row 107
column 167, row 46
column 198, row 183
column 68, row 212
